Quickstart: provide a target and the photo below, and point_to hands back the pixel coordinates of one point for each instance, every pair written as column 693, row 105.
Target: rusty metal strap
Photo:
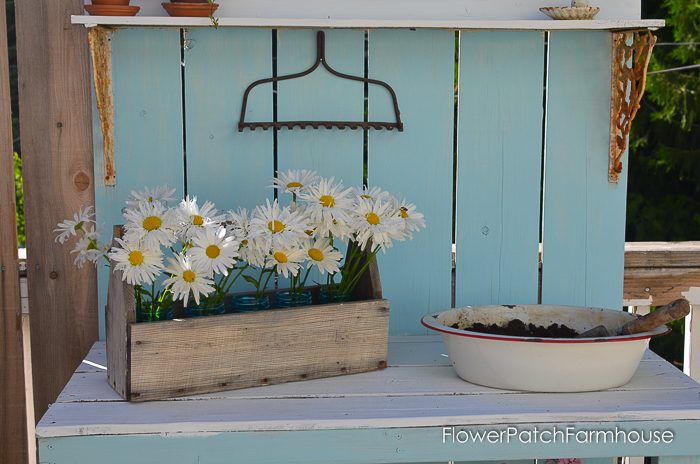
column 101, row 54
column 631, row 54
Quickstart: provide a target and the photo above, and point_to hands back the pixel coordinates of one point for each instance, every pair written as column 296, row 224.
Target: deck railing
column 657, row 273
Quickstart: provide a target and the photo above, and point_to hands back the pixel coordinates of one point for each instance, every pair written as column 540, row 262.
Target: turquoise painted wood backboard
column 505, row 147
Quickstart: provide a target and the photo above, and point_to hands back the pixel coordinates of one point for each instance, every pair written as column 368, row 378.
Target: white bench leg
column 691, row 357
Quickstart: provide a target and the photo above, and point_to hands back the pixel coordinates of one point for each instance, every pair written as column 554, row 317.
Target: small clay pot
column 189, row 1
column 190, row 9
column 111, row 2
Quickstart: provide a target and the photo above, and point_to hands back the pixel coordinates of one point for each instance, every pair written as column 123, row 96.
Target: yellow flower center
column 92, row 245
column 213, row 251
column 281, row 257
column 197, row 220
column 373, row 219
column 309, row 232
column 404, row 212
column 365, row 196
column 189, row 276
column 152, row 223
column 315, row 254
column 136, row 258
column 275, row 226
column 244, row 242
column 150, row 199
column 327, row 201
column 294, row 185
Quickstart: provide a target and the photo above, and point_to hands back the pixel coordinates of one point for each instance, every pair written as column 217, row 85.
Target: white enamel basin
column 541, row 364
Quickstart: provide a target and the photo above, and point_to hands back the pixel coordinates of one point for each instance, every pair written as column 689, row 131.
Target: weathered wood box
column 157, row 360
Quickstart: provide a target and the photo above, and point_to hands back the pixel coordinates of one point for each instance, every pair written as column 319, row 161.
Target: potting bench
column 513, row 137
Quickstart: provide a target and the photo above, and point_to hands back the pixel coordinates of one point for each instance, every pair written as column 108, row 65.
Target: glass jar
column 286, row 299
column 203, row 310
column 248, row 303
column 333, row 297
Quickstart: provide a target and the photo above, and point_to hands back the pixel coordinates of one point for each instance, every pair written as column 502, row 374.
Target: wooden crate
column 156, row 360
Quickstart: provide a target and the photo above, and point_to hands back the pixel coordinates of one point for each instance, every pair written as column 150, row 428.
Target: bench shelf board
column 413, row 398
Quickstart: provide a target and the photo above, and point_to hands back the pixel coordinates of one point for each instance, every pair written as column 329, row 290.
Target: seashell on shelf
column 570, row 12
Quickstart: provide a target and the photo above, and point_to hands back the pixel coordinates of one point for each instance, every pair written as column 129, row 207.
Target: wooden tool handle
column 663, row 315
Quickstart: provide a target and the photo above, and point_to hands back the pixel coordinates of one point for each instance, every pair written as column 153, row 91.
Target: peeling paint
column 101, row 53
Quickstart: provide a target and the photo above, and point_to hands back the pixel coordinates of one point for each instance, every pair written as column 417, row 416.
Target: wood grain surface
column 13, row 445
column 54, row 94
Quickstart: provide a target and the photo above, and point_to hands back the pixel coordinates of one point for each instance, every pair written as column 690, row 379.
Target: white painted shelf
column 371, row 23
column 418, row 389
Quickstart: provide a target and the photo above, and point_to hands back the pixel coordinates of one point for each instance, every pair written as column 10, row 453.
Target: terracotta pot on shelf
column 111, row 8
column 111, row 2
column 191, row 8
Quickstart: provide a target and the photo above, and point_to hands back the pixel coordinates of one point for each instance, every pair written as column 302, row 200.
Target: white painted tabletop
column 418, row 389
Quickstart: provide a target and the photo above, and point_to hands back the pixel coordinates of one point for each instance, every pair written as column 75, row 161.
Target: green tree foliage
column 19, row 200
column 664, row 160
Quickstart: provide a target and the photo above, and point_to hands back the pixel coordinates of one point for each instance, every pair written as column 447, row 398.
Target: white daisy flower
column 252, row 252
column 238, row 223
column 286, row 260
column 373, row 193
column 273, row 227
column 161, row 193
column 151, row 222
column 192, row 218
column 69, row 227
column 214, row 250
column 140, row 265
column 411, row 219
column 376, row 223
column 321, row 254
column 294, row 181
column 329, row 205
column 186, row 278
column 88, row 248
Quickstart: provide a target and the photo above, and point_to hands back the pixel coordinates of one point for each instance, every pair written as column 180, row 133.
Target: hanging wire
column 676, row 44
column 669, row 70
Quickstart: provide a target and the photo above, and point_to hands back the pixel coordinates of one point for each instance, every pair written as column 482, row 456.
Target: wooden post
column 55, row 117
column 13, row 445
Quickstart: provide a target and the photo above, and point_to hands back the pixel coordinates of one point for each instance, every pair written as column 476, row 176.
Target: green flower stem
column 230, row 284
column 260, row 292
column 303, row 283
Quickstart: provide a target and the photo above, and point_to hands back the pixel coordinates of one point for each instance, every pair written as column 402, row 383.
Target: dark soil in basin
column 518, row 328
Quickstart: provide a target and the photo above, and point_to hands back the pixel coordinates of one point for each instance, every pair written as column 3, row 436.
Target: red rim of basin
column 438, row 327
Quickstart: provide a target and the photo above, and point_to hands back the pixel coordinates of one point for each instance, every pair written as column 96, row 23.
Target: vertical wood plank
column 499, row 164
column 148, row 149
column 324, row 97
column 321, row 96
column 56, row 142
column 416, row 163
column 676, row 460
column 13, row 419
column 228, row 167
column 584, row 214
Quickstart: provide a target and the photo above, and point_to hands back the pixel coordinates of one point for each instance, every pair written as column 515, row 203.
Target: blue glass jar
column 203, row 310
column 333, row 297
column 287, row 299
column 248, row 303
column 146, row 314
